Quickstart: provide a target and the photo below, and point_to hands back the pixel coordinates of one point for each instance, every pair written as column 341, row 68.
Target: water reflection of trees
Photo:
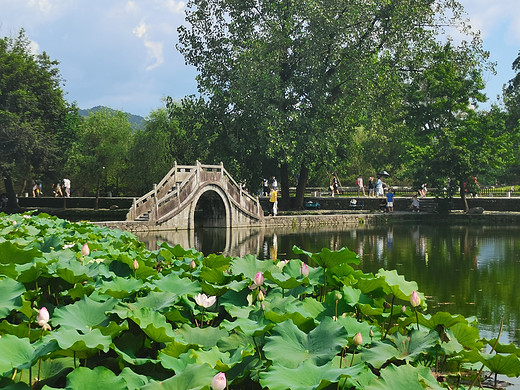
column 472, row 270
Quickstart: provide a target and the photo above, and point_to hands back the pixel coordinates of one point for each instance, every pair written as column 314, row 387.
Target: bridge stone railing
column 178, row 188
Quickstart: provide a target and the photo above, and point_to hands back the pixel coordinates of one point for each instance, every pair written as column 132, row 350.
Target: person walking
column 334, row 185
column 371, row 187
column 390, row 200
column 360, row 185
column 273, row 198
column 379, row 187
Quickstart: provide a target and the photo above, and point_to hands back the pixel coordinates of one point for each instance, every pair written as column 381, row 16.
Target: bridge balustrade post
column 133, row 211
column 155, row 213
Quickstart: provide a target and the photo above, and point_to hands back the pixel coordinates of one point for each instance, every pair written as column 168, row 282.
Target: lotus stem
column 492, row 350
column 391, row 317
column 14, row 374
column 416, row 317
column 257, row 349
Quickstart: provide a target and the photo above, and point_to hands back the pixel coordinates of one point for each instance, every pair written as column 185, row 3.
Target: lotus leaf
column 153, row 324
column 398, row 286
column 99, row 378
column 16, row 353
column 404, row 377
column 193, row 377
column 83, row 315
column 289, row 346
column 10, row 295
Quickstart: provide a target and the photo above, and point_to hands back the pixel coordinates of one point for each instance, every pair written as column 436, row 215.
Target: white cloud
column 140, row 30
column 175, row 7
column 155, row 54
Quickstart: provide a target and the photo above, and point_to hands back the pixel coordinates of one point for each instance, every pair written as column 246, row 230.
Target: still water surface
column 471, row 270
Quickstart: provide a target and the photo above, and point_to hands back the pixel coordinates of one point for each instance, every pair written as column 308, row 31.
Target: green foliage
column 132, row 329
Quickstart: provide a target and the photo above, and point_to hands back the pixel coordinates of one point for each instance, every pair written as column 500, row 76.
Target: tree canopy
column 33, row 113
column 294, row 78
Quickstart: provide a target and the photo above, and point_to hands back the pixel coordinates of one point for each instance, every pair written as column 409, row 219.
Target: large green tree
column 451, row 142
column 100, row 155
column 295, row 77
column 33, row 114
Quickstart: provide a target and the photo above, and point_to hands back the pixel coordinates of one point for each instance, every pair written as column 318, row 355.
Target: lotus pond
column 85, row 307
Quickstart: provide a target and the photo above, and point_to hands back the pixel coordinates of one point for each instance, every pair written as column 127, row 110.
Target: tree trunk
column 285, row 202
column 302, row 184
column 12, row 201
column 463, row 195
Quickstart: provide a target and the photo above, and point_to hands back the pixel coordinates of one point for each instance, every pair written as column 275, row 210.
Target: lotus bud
column 260, row 296
column 371, row 333
column 415, row 300
column 259, row 279
column 85, row 250
column 304, row 270
column 338, row 296
column 218, row 382
column 193, row 265
column 135, row 264
column 403, row 309
column 358, row 339
column 43, row 318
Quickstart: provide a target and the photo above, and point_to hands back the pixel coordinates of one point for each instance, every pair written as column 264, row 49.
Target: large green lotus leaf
column 83, row 315
column 10, row 296
column 11, row 253
column 467, row 335
column 503, row 348
column 499, row 364
column 368, row 283
column 289, row 346
column 205, row 337
column 247, row 326
column 177, row 364
column 404, row 377
column 180, row 286
column 133, row 381
column 120, row 287
column 158, row 301
column 398, row 286
column 153, row 324
column 72, row 271
column 220, row 361
column 129, row 357
column 236, row 341
column 307, row 376
column 218, row 290
column 16, row 353
column 9, row 270
column 30, row 272
column 54, row 368
column 99, row 378
column 193, row 377
column 279, row 309
column 70, row 340
column 284, row 280
column 352, row 326
column 21, row 330
column 328, row 259
column 380, row 353
column 79, row 291
column 216, row 261
column 249, row 265
column 418, row 342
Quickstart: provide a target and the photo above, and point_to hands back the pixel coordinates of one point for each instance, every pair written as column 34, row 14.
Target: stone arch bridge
column 196, row 195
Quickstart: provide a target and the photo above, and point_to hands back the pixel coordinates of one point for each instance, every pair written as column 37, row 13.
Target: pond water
column 471, row 270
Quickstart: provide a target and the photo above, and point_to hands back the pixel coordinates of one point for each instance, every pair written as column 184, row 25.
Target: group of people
column 61, row 189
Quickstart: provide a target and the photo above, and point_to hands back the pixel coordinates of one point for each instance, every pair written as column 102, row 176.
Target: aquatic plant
column 124, row 317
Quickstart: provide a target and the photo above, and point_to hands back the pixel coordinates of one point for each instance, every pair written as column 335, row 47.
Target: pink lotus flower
column 304, row 270
column 358, row 339
column 204, row 301
column 259, row 279
column 219, row 381
column 415, row 300
column 85, row 250
column 43, row 318
column 135, row 264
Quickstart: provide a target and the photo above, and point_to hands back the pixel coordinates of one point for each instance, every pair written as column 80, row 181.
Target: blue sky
column 121, row 53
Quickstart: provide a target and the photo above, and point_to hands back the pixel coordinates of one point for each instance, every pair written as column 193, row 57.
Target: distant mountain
column 136, row 121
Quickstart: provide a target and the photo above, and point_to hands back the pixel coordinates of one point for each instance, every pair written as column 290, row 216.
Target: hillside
column 136, row 121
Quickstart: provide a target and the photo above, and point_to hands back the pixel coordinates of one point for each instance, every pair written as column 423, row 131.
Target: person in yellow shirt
column 273, row 198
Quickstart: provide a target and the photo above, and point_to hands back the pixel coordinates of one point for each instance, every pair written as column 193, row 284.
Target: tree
column 101, row 152
column 295, row 77
column 33, row 113
column 451, row 142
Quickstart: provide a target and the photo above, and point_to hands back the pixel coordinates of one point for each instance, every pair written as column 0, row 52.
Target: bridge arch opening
column 210, row 211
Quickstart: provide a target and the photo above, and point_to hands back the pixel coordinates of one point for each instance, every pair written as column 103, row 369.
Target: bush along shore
column 87, row 307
